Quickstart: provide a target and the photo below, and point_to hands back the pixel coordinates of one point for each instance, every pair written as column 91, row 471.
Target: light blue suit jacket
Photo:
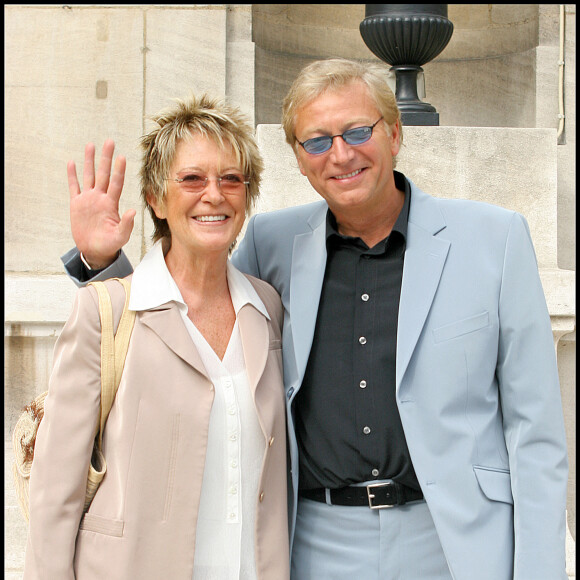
column 477, row 380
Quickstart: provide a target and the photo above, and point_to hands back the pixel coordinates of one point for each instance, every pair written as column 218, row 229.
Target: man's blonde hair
column 330, row 75
column 205, row 116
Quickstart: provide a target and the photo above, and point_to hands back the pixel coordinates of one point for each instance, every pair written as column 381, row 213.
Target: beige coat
column 142, row 522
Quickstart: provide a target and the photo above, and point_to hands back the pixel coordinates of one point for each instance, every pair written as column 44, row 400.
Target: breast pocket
column 275, row 344
column 461, row 327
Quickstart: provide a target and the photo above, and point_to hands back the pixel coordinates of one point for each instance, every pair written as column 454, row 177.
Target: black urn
column 407, row 36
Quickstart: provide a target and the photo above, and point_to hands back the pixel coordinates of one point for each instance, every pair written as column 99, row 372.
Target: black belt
column 376, row 495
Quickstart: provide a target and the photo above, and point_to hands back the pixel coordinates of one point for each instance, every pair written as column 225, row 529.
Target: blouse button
column 362, row 340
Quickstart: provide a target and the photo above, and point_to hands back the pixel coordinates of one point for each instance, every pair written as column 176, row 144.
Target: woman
column 195, row 441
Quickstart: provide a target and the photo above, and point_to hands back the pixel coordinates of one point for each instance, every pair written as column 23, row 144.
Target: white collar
column 152, row 285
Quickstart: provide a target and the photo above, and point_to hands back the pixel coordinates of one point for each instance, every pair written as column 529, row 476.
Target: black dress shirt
column 347, row 422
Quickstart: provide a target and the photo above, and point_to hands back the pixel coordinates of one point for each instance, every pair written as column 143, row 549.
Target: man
column 426, row 433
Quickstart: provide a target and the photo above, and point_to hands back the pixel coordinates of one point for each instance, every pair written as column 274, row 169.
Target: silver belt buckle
column 372, row 495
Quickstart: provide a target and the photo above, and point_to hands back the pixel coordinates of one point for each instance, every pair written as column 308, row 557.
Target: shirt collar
column 401, row 183
column 152, row 285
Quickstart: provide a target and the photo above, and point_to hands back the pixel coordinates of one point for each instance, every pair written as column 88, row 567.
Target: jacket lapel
column 167, row 323
column 424, row 261
column 255, row 343
column 307, row 275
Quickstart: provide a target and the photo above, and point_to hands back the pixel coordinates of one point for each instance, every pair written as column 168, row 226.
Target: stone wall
column 78, row 73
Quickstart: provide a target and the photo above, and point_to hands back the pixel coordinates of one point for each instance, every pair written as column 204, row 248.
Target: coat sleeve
column 64, row 444
column 532, row 410
column 81, row 276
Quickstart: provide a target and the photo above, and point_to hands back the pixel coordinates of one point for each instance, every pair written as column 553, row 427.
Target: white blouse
column 224, row 546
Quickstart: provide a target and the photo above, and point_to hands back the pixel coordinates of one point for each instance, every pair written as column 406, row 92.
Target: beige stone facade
column 79, row 73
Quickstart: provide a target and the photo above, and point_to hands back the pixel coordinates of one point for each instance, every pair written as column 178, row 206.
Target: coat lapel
column 255, row 339
column 167, row 323
column 307, row 275
column 255, row 343
column 424, row 261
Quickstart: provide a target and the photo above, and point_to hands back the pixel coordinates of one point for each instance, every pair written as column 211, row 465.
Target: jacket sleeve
column 64, row 444
column 81, row 276
column 532, row 410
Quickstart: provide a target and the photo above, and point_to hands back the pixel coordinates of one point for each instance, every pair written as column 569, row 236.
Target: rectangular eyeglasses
column 231, row 183
column 356, row 136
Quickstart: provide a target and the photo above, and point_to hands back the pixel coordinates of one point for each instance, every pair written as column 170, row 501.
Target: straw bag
column 113, row 352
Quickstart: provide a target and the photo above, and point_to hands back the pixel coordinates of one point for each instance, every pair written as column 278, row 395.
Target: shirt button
column 234, row 464
column 233, row 437
column 375, row 472
column 231, row 411
column 366, row 430
column 365, row 297
column 363, row 384
column 362, row 340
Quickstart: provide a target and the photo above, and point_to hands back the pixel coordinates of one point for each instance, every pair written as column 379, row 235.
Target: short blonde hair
column 332, row 74
column 206, row 116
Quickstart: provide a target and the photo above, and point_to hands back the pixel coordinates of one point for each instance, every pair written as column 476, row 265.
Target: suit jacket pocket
column 461, row 327
column 495, row 483
column 101, row 525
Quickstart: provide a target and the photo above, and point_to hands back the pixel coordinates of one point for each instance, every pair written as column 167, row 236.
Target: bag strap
column 113, row 348
column 123, row 334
